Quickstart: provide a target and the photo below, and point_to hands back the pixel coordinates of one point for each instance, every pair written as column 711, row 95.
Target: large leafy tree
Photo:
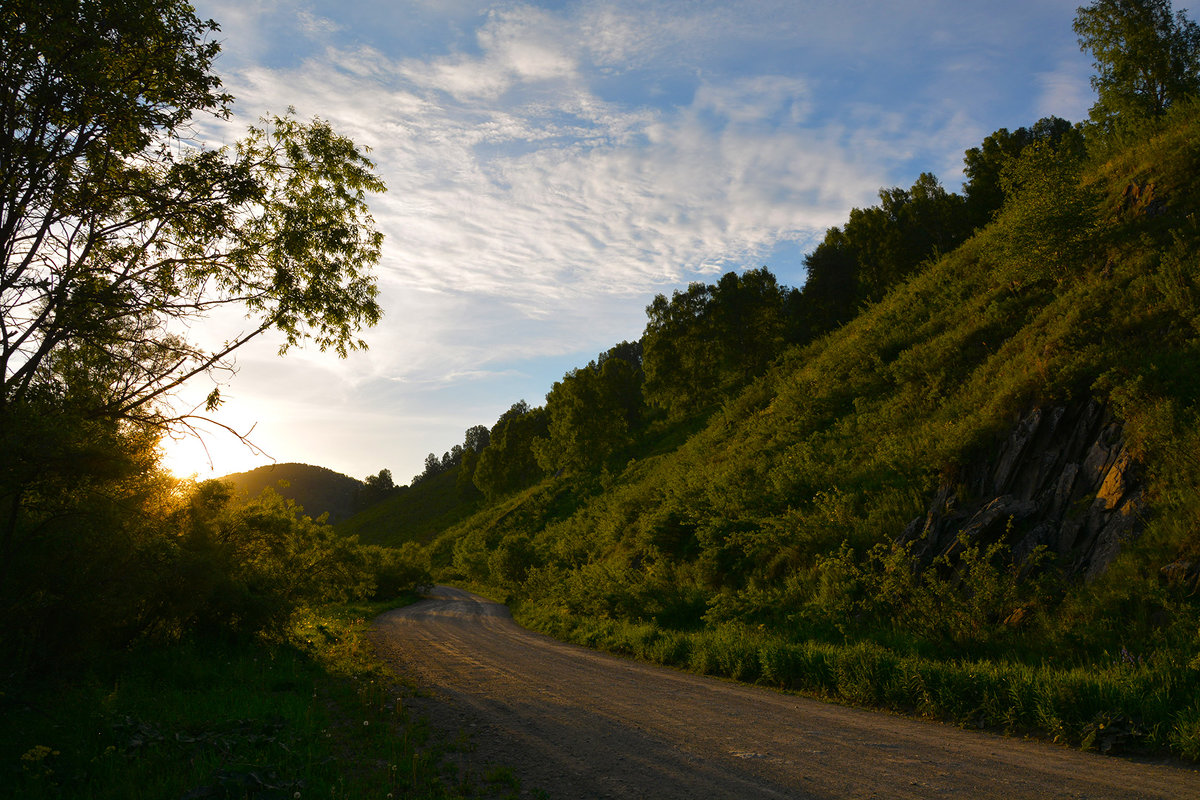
column 985, row 164
column 117, row 231
column 508, row 462
column 1146, row 58
column 592, row 412
column 120, row 234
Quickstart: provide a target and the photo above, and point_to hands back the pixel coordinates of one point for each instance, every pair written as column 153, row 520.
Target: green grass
column 414, row 514
column 1120, row 705
column 313, row 717
column 760, row 541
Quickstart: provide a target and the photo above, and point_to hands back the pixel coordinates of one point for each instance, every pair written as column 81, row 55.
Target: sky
column 551, row 167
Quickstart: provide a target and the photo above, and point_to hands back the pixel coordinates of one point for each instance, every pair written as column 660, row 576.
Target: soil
column 573, row 723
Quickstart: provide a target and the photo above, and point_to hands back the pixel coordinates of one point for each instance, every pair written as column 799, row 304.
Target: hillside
column 990, row 469
column 317, row 489
column 413, row 513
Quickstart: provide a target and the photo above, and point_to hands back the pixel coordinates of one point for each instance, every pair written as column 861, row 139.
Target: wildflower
column 37, row 754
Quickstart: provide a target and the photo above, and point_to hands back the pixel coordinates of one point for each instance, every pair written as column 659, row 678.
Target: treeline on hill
column 706, row 343
column 847, row 488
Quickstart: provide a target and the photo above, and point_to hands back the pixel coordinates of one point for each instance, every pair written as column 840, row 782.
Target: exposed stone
column 1062, row 479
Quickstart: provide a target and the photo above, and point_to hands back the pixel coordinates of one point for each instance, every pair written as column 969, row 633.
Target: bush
column 398, row 571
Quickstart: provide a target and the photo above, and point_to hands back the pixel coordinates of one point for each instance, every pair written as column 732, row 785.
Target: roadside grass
column 314, row 716
column 1121, row 705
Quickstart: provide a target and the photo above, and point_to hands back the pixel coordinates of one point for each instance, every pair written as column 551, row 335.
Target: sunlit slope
column 1083, row 288
column 414, row 513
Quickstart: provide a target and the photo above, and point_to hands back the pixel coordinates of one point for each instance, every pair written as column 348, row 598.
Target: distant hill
column 317, row 489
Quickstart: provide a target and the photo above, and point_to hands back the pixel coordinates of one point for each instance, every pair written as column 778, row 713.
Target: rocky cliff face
column 1063, row 478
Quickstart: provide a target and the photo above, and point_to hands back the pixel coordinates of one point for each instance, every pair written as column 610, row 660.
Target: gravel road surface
column 574, row 723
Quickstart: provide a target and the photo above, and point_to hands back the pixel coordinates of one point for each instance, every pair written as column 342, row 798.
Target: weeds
column 313, row 716
column 1124, row 705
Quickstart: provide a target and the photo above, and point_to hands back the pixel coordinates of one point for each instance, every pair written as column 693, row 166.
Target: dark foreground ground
column 573, row 723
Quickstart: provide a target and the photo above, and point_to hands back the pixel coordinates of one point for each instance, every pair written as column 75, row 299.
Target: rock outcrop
column 1063, row 479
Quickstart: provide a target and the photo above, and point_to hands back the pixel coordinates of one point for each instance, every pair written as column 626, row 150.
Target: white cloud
column 1066, row 91
column 550, row 170
column 543, row 223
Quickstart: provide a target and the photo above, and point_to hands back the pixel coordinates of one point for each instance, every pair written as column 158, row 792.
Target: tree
column 908, row 226
column 476, row 438
column 711, row 339
column 985, row 164
column 591, row 413
column 828, row 298
column 1048, row 222
column 375, row 489
column 117, row 231
column 1146, row 59
column 381, row 482
column 508, row 462
column 878, row 247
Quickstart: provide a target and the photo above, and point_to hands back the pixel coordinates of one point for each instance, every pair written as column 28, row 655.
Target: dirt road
column 581, row 724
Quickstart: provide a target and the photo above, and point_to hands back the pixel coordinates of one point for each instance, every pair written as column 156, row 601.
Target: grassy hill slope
column 770, row 546
column 413, row 513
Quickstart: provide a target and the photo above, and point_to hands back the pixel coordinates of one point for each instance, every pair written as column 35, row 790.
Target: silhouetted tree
column 477, row 438
column 375, row 489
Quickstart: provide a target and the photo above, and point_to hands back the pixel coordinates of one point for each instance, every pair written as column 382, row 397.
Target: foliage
column 465, row 455
column 878, row 247
column 397, row 570
column 250, row 567
column 316, row 715
column 592, row 412
column 1048, row 216
column 759, row 540
column 985, row 164
column 376, row 488
column 117, row 230
column 710, row 340
column 508, row 462
column 1146, row 59
column 969, row 602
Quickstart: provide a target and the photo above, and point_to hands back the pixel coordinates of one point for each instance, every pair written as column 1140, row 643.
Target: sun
column 212, row 451
column 210, row 455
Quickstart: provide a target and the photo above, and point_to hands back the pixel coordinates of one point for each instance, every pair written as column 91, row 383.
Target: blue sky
column 553, row 166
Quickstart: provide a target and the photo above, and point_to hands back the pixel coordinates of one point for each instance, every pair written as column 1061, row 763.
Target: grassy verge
column 312, row 717
column 1118, row 706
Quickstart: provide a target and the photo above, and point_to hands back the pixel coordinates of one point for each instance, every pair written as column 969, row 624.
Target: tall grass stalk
column 1119, row 706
